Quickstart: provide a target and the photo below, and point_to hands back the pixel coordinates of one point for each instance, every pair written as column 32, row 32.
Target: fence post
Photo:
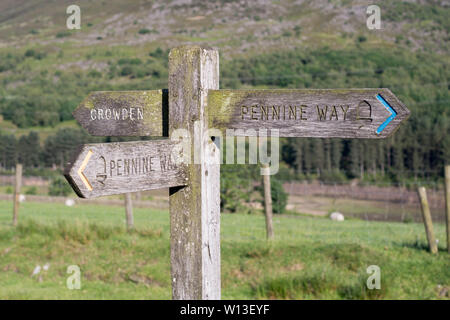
column 17, row 187
column 447, row 204
column 129, row 211
column 195, row 208
column 268, row 201
column 427, row 220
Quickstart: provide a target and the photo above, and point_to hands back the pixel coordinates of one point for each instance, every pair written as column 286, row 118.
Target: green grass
column 311, row 258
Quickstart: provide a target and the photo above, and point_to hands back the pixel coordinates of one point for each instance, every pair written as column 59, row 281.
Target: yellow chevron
column 81, row 169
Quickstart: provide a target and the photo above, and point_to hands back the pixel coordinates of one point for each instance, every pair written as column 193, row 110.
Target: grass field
column 311, row 258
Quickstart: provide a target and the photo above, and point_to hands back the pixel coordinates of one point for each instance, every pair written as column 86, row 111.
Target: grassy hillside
column 311, row 258
column 46, row 70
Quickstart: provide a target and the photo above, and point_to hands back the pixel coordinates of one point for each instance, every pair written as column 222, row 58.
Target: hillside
column 234, row 26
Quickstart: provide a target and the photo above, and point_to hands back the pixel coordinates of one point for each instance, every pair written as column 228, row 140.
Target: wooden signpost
column 194, row 99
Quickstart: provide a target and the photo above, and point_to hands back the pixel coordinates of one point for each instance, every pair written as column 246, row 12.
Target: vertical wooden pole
column 427, row 220
column 129, row 211
column 268, row 202
column 17, row 187
column 138, row 196
column 447, row 204
column 195, row 208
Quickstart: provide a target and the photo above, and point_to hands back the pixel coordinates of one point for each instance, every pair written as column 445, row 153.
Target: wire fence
column 390, row 202
column 369, row 202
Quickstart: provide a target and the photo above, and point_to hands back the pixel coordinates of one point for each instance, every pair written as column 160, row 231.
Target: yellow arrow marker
column 81, row 169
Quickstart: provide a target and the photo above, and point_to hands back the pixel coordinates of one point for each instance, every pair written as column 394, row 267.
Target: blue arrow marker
column 388, row 108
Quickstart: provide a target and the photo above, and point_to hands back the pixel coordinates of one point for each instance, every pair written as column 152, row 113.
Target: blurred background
column 46, row 70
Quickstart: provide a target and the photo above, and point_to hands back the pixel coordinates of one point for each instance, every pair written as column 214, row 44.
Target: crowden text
column 131, row 113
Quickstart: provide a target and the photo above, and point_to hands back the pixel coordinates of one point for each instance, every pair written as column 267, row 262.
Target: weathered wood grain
column 195, row 209
column 124, row 113
column 129, row 211
column 321, row 113
column 115, row 168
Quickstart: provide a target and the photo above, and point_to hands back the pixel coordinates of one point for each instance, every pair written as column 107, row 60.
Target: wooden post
column 195, row 208
column 129, row 211
column 427, row 220
column 447, row 204
column 267, row 202
column 138, row 196
column 17, row 186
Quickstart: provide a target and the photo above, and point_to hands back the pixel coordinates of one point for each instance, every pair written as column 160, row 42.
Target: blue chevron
column 390, row 118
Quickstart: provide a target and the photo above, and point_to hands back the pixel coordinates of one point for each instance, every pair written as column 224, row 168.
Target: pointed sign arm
column 124, row 113
column 317, row 113
column 114, row 168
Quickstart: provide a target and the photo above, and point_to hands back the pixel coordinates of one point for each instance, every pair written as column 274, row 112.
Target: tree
column 29, row 150
column 8, row 151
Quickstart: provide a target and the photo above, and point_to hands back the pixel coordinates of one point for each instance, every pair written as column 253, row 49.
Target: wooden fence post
column 138, row 196
column 447, row 204
column 129, row 211
column 17, row 187
column 427, row 220
column 195, row 208
column 268, row 201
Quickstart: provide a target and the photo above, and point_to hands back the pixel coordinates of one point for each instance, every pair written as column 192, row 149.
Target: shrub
column 126, row 71
column 158, row 53
column 279, row 196
column 144, row 31
column 59, row 187
column 362, row 39
column 63, row 34
column 29, row 53
column 31, row 191
column 235, row 188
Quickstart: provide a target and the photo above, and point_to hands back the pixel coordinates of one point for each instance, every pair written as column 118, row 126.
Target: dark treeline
column 53, row 153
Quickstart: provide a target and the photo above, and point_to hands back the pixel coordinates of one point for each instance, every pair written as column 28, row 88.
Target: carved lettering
column 302, row 112
column 322, row 113
column 139, row 165
column 295, row 112
column 131, row 113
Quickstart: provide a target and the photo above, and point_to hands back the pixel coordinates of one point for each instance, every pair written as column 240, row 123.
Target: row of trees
column 420, row 148
column 54, row 152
